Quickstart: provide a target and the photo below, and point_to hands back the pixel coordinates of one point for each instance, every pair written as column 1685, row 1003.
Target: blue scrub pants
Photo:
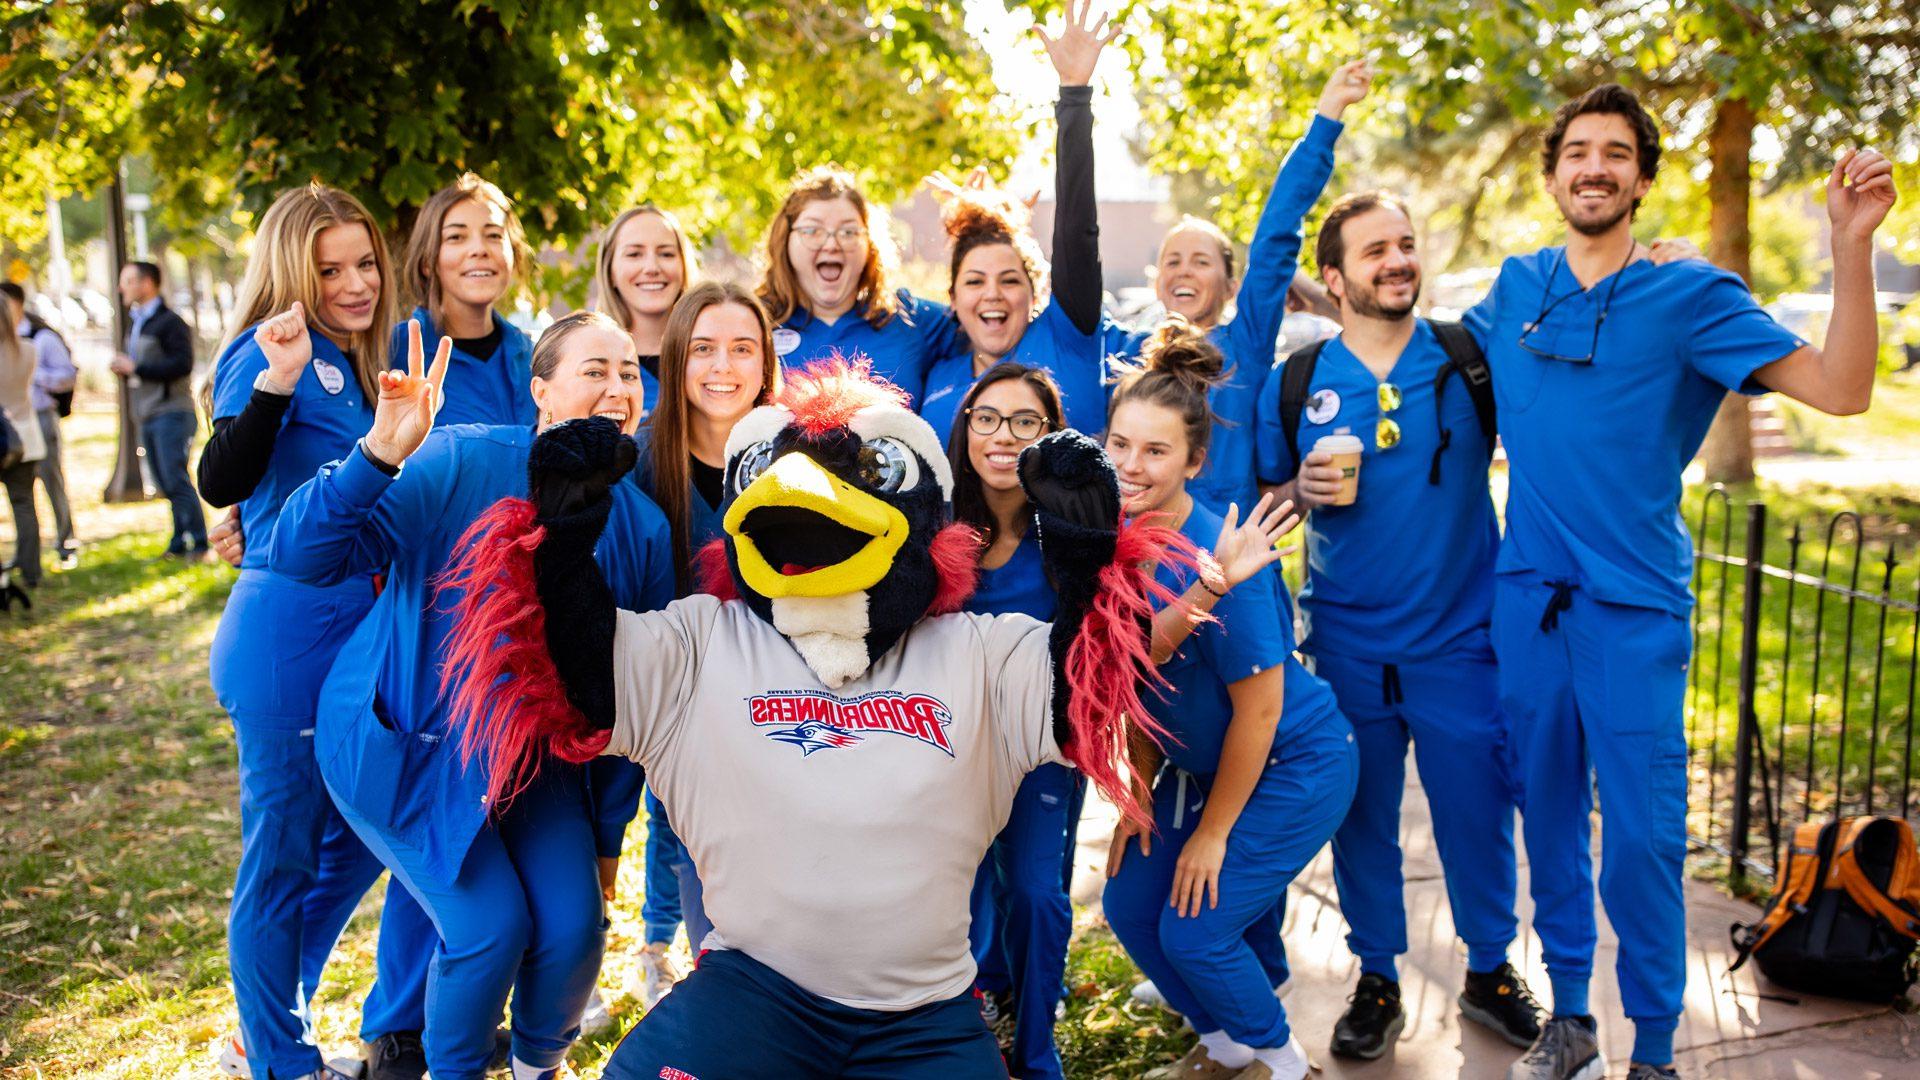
column 660, row 911
column 1022, row 916
column 736, row 1017
column 524, row 915
column 1450, row 709
column 1204, row 965
column 302, row 872
column 1595, row 693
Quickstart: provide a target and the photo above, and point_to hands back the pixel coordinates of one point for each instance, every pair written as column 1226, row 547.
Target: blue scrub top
column 1250, row 634
column 1053, row 344
column 1405, row 573
column 383, row 736
column 493, row 389
column 278, row 636
column 327, row 415
column 1248, row 340
column 1596, row 448
column 649, row 393
column 705, row 523
column 901, row 350
column 1018, row 586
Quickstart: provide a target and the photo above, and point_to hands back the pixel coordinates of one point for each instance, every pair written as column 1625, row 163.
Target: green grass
column 1855, row 681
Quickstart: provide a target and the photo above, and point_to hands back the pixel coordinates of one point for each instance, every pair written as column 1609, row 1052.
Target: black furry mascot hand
column 571, row 471
column 1076, row 508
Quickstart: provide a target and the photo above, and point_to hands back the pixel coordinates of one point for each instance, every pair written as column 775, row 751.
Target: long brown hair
column 1178, row 365
column 669, row 442
column 423, row 247
column 607, row 292
column 282, row 270
column 779, row 288
column 969, row 497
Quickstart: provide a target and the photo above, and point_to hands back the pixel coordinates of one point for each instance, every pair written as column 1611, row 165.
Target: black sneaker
column 1373, row 1019
column 1640, row 1071
column 397, row 1055
column 1500, row 1001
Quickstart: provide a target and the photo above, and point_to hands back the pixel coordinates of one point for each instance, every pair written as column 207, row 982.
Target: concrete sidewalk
column 1729, row 1029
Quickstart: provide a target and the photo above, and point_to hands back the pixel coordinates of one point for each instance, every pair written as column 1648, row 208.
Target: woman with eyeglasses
column 998, row 276
column 828, row 284
column 1261, row 764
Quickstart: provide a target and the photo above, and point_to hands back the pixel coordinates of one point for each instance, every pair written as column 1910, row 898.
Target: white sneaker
column 233, row 1058
column 658, row 973
column 1146, row 993
column 596, row 1020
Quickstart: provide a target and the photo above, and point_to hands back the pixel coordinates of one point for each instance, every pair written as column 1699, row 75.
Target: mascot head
column 836, row 519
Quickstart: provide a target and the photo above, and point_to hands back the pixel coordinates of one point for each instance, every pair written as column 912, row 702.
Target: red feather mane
column 825, row 395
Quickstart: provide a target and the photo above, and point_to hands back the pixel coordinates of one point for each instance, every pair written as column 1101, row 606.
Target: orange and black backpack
column 1846, row 920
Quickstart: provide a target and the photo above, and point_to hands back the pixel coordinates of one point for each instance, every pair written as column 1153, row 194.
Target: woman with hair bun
column 1261, row 765
column 999, row 277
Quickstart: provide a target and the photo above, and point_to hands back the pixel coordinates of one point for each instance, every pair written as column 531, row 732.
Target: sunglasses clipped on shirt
column 1026, row 426
column 1386, row 434
column 1529, row 333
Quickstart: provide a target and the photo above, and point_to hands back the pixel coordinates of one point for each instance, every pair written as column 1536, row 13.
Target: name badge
column 785, row 340
column 1323, row 407
column 331, row 378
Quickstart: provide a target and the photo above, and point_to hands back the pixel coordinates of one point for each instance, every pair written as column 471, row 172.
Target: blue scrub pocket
column 1644, row 672
column 1517, row 374
column 378, row 771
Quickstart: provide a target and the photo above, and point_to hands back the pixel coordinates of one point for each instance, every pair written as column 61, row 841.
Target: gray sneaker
column 1652, row 1072
column 1565, row 1050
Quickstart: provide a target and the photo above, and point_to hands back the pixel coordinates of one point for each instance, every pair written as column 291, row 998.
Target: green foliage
column 575, row 108
column 1470, row 86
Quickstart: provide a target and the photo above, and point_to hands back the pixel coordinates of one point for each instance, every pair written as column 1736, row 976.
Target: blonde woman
column 319, row 270
column 646, row 264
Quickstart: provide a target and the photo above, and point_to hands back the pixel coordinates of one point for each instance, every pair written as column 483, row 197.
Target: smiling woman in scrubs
column 319, row 273
column 1261, row 765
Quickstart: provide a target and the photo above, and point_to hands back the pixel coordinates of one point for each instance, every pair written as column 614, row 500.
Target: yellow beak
column 796, row 481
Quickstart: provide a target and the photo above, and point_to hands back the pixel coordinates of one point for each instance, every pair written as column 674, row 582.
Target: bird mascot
column 835, row 741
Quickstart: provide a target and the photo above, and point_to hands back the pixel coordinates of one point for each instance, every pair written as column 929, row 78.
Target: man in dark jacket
column 158, row 367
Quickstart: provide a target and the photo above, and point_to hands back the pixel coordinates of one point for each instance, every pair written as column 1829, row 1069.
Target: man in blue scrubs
column 1607, row 371
column 1397, row 602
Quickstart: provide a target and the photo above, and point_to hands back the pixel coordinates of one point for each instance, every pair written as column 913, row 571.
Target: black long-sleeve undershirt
column 236, row 457
column 1078, row 284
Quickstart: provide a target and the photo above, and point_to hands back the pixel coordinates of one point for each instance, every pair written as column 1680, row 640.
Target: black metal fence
column 1801, row 694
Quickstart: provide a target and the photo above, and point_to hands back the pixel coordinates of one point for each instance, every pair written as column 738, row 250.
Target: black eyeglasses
column 1593, row 346
column 1025, row 426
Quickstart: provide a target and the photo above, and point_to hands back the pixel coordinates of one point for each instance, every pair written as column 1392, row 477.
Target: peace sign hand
column 1246, row 548
column 404, row 414
column 288, row 347
column 1075, row 52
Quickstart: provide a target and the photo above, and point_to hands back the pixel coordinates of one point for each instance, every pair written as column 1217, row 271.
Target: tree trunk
column 1728, row 452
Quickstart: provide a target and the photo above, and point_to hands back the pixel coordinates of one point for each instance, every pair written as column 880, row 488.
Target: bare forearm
column 1852, row 348
column 1173, row 624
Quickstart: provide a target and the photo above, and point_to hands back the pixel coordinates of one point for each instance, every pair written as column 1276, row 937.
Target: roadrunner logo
column 813, row 720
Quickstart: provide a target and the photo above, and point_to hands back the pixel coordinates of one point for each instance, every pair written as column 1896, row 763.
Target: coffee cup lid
column 1339, row 444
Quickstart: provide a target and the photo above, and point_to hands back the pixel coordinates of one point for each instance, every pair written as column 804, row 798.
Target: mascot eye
column 750, row 464
column 887, row 465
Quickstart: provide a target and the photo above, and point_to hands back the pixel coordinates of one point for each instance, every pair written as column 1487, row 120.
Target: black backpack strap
column 1465, row 358
column 1296, row 381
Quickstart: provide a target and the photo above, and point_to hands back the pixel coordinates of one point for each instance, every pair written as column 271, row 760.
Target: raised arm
column 1838, row 377
column 1275, row 252
column 1077, row 281
column 336, row 524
